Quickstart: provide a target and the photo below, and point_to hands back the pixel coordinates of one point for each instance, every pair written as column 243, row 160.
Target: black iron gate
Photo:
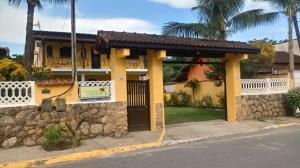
column 138, row 105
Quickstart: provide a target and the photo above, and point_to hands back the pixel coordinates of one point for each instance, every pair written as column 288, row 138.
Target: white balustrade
column 15, row 93
column 264, row 86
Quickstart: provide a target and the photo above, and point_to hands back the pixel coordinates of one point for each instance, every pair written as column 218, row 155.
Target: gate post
column 118, row 72
column 233, row 83
column 155, row 73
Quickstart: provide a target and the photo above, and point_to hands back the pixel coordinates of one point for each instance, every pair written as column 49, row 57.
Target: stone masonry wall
column 159, row 109
column 260, row 106
column 25, row 125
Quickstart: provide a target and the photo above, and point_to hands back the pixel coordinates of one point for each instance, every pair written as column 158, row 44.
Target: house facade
column 53, row 51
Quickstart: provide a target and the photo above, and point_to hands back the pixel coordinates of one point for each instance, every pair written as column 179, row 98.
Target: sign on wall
column 95, row 93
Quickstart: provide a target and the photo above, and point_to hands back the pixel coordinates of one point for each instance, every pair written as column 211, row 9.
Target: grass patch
column 176, row 115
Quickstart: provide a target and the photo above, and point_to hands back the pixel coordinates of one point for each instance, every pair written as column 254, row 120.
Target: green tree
column 283, row 7
column 31, row 4
column 195, row 86
column 218, row 19
column 265, row 57
column 12, row 71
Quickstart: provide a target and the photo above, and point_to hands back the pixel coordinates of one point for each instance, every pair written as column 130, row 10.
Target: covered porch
column 155, row 48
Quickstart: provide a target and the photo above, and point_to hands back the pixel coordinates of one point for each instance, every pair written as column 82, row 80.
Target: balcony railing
column 87, row 63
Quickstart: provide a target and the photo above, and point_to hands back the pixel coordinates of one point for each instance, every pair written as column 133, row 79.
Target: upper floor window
column 49, row 51
column 65, row 52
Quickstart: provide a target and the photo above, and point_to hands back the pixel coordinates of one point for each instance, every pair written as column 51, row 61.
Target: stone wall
column 25, row 125
column 159, row 109
column 260, row 106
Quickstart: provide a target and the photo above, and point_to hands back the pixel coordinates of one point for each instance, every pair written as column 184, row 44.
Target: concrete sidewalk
column 175, row 134
column 187, row 132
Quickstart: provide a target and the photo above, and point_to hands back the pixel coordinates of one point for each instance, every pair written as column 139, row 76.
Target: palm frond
column 194, row 30
column 15, row 2
column 250, row 19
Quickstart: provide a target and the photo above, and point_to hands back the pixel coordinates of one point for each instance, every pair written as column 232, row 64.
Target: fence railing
column 16, row 93
column 96, row 91
column 264, row 86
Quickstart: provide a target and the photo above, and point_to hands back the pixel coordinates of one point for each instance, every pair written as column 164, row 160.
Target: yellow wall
column 233, row 83
column 71, row 96
column 118, row 72
column 155, row 73
column 57, row 62
column 207, row 88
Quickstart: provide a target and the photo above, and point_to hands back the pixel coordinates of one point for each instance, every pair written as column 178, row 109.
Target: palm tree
column 31, row 4
column 218, row 19
column 195, row 86
column 289, row 8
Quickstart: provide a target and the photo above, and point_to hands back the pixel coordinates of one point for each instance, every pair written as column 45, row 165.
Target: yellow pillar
column 118, row 72
column 233, row 83
column 155, row 73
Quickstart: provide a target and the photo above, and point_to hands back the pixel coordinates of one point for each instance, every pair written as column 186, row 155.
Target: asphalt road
column 276, row 148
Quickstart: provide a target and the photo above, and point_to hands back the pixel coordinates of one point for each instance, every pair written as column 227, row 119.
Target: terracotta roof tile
column 282, row 57
column 53, row 82
column 123, row 39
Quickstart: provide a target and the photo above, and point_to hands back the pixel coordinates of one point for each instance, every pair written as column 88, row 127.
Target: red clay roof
column 52, row 35
column 282, row 57
column 138, row 40
column 54, row 82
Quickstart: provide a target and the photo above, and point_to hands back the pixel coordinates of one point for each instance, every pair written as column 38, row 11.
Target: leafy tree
column 194, row 85
column 218, row 19
column 265, row 57
column 12, row 71
column 283, row 7
column 172, row 70
column 31, row 4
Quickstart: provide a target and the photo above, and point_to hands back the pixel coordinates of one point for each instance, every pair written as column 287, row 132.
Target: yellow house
column 134, row 63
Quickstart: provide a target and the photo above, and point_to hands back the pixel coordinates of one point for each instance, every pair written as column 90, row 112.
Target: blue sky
column 147, row 16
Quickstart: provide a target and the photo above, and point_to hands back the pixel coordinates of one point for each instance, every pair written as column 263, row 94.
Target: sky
column 143, row 16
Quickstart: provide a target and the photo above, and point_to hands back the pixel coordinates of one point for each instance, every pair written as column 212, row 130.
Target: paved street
column 275, row 148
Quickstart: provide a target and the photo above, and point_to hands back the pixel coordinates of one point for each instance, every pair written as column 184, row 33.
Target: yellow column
column 233, row 83
column 118, row 72
column 155, row 73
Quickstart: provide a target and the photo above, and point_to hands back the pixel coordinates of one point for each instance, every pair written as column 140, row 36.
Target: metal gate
column 138, row 105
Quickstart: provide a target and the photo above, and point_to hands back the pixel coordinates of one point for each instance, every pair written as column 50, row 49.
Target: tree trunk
column 28, row 53
column 296, row 29
column 291, row 46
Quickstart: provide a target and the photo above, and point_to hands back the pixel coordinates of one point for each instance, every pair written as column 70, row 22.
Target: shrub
column 166, row 100
column 292, row 100
column 53, row 137
column 74, row 134
column 185, row 99
column 174, row 100
column 206, row 102
column 221, row 100
column 195, row 86
column 41, row 74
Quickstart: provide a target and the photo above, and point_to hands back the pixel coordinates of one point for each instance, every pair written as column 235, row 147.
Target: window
column 65, row 52
column 49, row 51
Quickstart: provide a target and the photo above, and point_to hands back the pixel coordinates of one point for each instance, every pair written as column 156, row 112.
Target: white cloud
column 249, row 4
column 12, row 29
column 252, row 4
column 177, row 3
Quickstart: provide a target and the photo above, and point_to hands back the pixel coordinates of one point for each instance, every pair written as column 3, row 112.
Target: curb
column 175, row 142
column 77, row 156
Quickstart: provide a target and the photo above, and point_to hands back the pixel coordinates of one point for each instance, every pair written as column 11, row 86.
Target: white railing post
column 264, row 86
column 112, row 91
column 268, row 86
column 32, row 92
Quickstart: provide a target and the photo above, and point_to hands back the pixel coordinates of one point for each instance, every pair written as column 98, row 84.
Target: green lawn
column 176, row 115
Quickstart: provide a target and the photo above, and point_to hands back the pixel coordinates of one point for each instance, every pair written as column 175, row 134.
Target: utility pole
column 291, row 46
column 73, row 41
